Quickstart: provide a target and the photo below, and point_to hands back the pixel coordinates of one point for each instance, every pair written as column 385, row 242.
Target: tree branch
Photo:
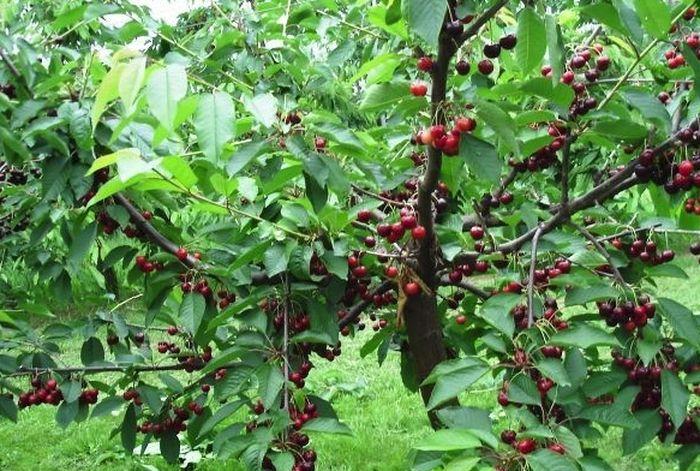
column 475, row 290
column 355, row 311
column 531, row 279
column 153, row 234
column 476, row 25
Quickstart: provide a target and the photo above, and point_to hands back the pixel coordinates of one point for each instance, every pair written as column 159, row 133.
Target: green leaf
column 465, row 417
column 557, row 93
column 66, row 413
column 214, row 123
column 192, row 311
column 451, row 384
column 373, row 343
column 692, row 60
column 80, row 247
column 496, row 311
column 107, row 406
column 131, row 80
column 523, row 390
column 107, row 92
column 276, row 260
column 425, row 18
column 449, row 440
column 481, row 157
column 555, row 47
column 326, row 425
column 382, row 96
column 263, row 108
column 674, row 397
column 600, row 383
column 620, row 129
column 271, row 381
column 611, row 414
column 532, row 40
column 606, row 14
column 170, row 447
column 649, row 106
column 583, row 336
column 634, row 439
column 554, row 369
column 655, row 17
column 128, row 429
column 245, row 154
column 221, row 414
column 165, row 88
column 682, row 320
column 8, row 408
column 547, row 460
column 92, row 351
column 500, row 122
column 586, row 294
column 341, row 134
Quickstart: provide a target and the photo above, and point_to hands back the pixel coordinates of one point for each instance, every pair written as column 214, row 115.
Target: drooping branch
column 603, row 251
column 152, row 233
column 355, row 311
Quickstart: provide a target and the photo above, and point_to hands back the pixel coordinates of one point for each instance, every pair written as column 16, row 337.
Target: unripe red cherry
column 172, row 330
column 546, row 70
column 526, row 446
column 425, row 64
column 181, row 254
column 465, row 124
column 320, row 143
column 557, row 448
column 567, row 77
column 412, row 288
column 685, row 168
column 485, row 66
column 461, row 320
column 419, row 89
column 418, row 233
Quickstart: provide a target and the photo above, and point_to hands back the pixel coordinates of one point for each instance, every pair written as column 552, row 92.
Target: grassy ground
column 386, row 420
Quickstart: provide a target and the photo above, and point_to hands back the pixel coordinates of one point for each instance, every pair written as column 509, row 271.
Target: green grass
column 386, row 419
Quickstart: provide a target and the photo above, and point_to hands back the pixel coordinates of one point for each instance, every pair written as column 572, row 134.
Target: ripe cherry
column 485, row 66
column 461, row 320
column 465, row 124
column 567, row 77
column 602, row 63
column 508, row 42
column 463, row 67
column 359, row 271
column 492, row 50
column 664, row 97
column 503, row 398
column 320, row 143
column 477, row 232
column 412, row 288
column 364, row 215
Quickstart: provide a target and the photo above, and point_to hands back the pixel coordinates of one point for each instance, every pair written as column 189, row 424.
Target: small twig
column 14, row 71
column 475, row 290
column 565, row 167
column 356, row 310
column 376, row 196
column 126, row 301
column 531, row 279
column 603, row 251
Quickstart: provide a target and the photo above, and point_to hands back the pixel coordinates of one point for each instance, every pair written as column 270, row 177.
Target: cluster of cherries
column 545, row 156
column 146, row 265
column 528, row 445
column 646, row 251
column 659, row 167
column 447, row 140
column 174, row 422
column 581, row 59
column 627, row 314
column 189, row 286
column 674, row 57
column 41, row 393
column 692, row 205
column 687, row 434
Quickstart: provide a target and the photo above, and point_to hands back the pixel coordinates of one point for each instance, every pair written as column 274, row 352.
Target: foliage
column 263, row 174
